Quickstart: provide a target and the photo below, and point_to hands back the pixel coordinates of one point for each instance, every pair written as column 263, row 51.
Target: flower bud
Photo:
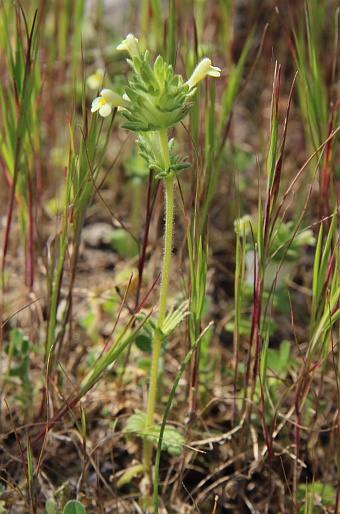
column 130, row 45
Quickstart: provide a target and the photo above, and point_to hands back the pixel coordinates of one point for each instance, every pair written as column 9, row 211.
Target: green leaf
column 284, row 353
column 2, row 503
column 144, row 343
column 322, row 493
column 123, row 242
column 174, row 318
column 136, row 422
column 74, row 507
column 277, row 359
column 173, row 439
column 130, row 473
column 50, row 507
column 144, row 364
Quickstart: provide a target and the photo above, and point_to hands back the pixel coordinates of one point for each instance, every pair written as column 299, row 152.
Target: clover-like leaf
column 172, row 441
column 74, row 507
column 136, row 423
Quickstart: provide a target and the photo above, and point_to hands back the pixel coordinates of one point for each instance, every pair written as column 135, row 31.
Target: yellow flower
column 107, row 100
column 243, row 225
column 203, row 69
column 306, row 237
column 130, row 44
column 95, row 81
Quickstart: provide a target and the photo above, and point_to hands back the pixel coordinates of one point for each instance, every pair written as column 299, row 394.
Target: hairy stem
column 157, row 339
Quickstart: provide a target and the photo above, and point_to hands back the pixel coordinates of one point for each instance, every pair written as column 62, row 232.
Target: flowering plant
column 155, row 99
column 285, row 248
column 284, row 244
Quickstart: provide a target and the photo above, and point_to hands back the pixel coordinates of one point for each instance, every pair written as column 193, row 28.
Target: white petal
column 96, row 104
column 105, row 110
column 214, row 71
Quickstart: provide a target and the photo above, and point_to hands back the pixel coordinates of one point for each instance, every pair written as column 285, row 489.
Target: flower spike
column 156, row 98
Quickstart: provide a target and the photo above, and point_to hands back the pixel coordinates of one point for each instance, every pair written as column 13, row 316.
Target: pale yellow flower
column 203, row 69
column 107, row 100
column 95, row 81
column 130, row 45
column 243, row 225
column 306, row 237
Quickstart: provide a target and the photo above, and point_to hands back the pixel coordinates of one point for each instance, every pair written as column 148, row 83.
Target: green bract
column 159, row 98
column 151, row 149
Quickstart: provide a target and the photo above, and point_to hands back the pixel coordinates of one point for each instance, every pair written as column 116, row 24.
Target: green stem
column 169, row 217
column 55, row 291
column 157, row 339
